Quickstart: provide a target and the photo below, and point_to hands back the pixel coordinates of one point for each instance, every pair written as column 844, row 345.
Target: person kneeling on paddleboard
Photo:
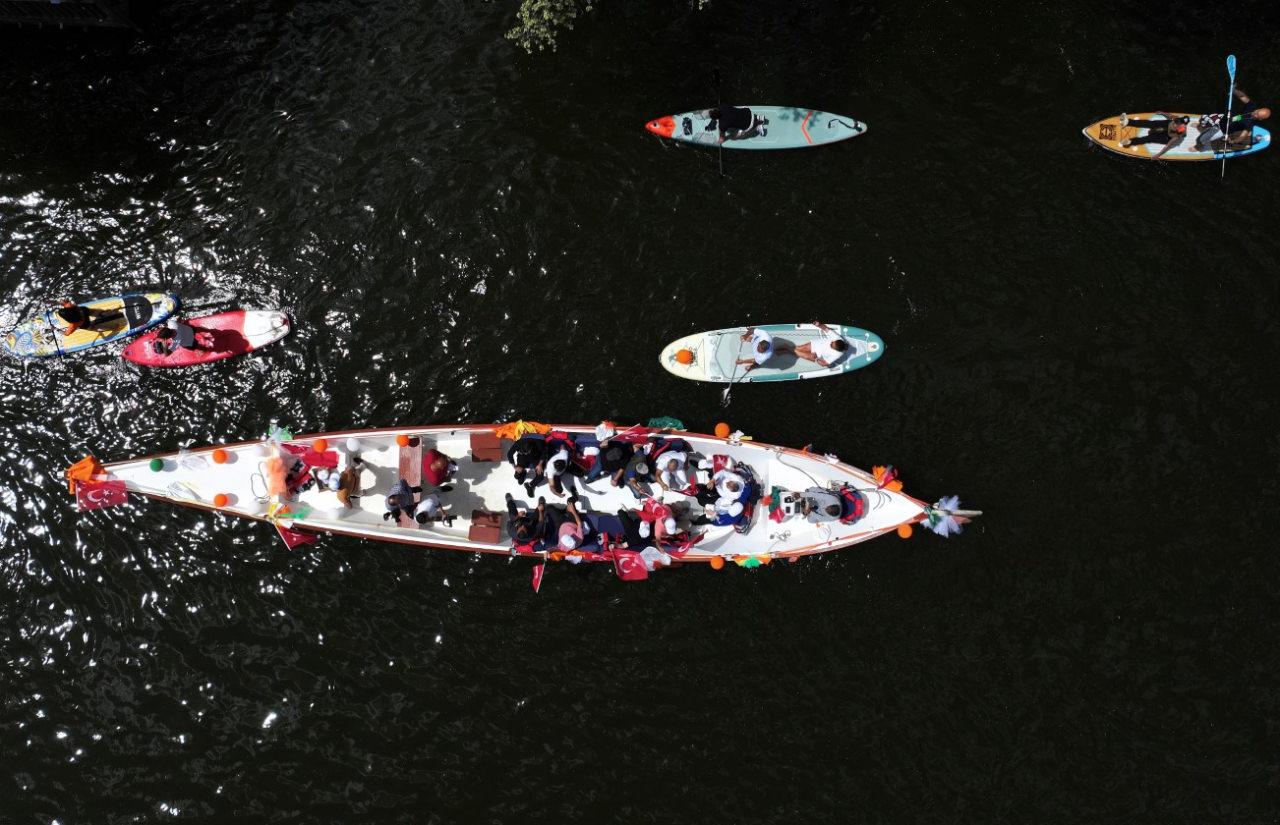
column 1171, row 131
column 78, row 317
column 175, row 334
column 825, row 352
column 735, row 123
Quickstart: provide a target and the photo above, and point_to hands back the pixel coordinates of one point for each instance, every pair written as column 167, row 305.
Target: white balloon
column 353, row 445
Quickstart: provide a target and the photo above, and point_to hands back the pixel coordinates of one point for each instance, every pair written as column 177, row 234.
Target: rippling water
column 1083, row 346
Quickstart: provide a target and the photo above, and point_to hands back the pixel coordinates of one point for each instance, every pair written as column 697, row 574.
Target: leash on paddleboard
column 1226, row 127
column 719, row 122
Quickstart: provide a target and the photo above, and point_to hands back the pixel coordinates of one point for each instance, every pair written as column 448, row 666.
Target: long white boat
column 233, row 479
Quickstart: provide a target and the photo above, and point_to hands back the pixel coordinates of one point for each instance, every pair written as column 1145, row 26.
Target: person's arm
column 746, row 336
column 1241, row 96
column 1174, row 141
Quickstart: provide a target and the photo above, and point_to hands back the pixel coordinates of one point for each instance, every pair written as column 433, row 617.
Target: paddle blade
column 1231, row 65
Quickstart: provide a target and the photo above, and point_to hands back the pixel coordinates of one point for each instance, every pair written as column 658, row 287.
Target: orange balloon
column 905, row 531
column 684, row 356
column 766, row 559
column 894, row 486
column 219, row 456
column 716, row 562
column 722, row 430
column 320, row 445
column 402, row 440
column 220, row 500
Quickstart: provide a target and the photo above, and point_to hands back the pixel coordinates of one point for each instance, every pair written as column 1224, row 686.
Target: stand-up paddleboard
column 126, row 315
column 1111, row 132
column 220, row 336
column 774, row 127
column 713, row 356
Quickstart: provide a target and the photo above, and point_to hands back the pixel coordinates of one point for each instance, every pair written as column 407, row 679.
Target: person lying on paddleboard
column 825, row 352
column 1240, row 133
column 79, row 317
column 735, row 123
column 1171, row 131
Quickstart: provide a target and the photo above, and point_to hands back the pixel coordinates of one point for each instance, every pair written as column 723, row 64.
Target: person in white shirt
column 673, row 471
column 762, row 348
column 827, row 350
column 431, row 509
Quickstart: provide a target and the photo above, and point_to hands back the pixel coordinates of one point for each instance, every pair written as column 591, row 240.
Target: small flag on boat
column 537, row 575
column 94, row 495
column 629, row 566
column 885, row 475
column 292, row 538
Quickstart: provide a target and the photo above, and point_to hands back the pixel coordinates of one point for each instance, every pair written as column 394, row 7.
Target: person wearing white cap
column 571, row 532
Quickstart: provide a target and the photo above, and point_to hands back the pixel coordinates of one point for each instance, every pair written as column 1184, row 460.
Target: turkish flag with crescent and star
column 629, row 566
column 292, row 538
column 94, row 495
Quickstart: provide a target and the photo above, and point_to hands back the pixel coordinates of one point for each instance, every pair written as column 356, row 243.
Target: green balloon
column 156, row 465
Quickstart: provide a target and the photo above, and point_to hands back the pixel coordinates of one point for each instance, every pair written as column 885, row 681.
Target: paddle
column 733, row 379
column 1226, row 127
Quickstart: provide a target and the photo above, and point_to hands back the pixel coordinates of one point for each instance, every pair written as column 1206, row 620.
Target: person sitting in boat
column 612, row 461
column 77, row 317
column 431, row 509
column 560, row 466
column 523, row 526
column 827, row 350
column 527, row 457
column 639, row 476
column 349, row 483
column 733, row 505
column 762, row 347
column 400, row 501
column 819, row 505
column 438, row 469
column 673, row 471
column 735, row 123
column 1171, row 131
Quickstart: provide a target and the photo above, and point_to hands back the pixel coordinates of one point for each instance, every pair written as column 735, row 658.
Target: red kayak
column 220, row 336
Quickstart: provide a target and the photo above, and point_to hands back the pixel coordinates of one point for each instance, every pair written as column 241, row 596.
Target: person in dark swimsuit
column 1240, row 131
column 736, row 123
column 1170, row 132
column 79, row 317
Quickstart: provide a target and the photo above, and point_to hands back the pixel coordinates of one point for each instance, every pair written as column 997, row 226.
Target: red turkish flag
column 629, row 566
column 292, row 538
column 94, row 495
column 537, row 576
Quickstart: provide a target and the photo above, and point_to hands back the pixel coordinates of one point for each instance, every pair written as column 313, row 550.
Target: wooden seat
column 485, row 527
column 485, row 446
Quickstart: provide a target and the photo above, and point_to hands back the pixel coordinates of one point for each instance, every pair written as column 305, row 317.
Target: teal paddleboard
column 712, row 356
column 771, row 127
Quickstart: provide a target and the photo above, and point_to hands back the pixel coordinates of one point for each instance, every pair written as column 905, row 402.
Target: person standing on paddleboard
column 78, row 317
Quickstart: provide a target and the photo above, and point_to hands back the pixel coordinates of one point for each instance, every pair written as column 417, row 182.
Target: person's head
column 642, row 468
column 560, row 465
column 522, row 530
column 1261, row 113
column 422, row 518
column 172, row 323
column 439, row 463
column 762, row 347
column 335, row 483
column 669, row 525
column 732, row 486
column 393, row 500
column 673, row 465
column 164, row 334
column 839, row 345
column 833, row 510
column 568, row 541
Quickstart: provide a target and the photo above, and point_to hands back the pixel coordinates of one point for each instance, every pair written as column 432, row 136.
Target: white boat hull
column 192, row 478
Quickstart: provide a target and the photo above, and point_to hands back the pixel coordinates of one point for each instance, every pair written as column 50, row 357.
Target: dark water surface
column 1082, row 345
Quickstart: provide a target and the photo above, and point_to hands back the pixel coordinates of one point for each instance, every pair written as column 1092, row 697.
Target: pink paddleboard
column 221, row 336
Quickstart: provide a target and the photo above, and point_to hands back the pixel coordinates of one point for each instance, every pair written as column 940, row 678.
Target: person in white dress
column 827, row 350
